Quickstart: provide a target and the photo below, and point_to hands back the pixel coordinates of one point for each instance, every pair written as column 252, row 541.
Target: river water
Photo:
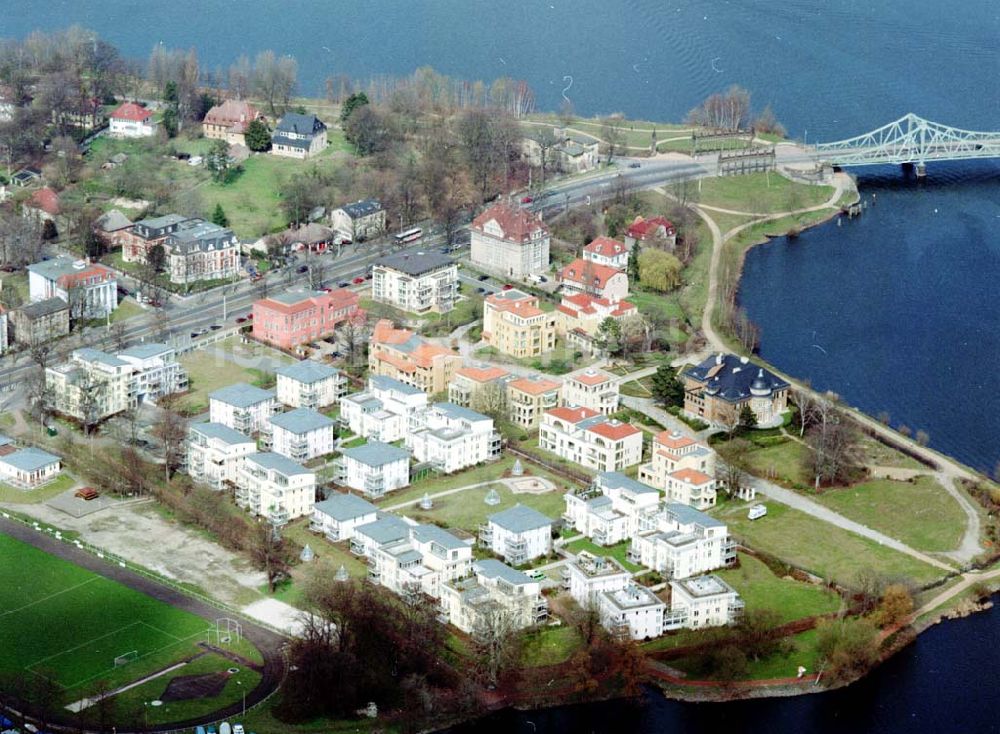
column 896, row 311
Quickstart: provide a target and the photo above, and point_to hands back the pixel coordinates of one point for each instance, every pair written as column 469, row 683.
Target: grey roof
column 301, row 420
column 732, row 378
column 707, row 585
column 166, row 220
column 362, row 208
column 688, row 515
column 386, row 529
column 434, row 534
column 88, row 354
column 417, row 264
column 112, row 221
column 59, row 266
column 44, row 308
column 279, row 463
column 520, row 519
column 197, row 234
column 241, row 395
column 291, row 298
column 376, row 453
column 457, row 412
column 308, row 371
column 224, row 433
column 614, row 479
column 146, row 351
column 388, row 383
column 343, row 507
column 29, row 459
column 492, row 568
column 293, row 122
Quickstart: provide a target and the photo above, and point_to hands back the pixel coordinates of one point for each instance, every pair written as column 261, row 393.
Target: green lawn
column 819, row 547
column 208, row 370
column 17, row 282
column 70, row 624
column 791, row 599
column 33, row 496
column 619, row 552
column 549, row 645
column 727, row 222
column 878, row 454
column 760, row 193
column 919, row 513
column 782, row 462
column 127, row 309
column 803, row 653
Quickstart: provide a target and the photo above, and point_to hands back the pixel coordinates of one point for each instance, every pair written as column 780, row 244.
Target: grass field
column 781, row 462
column 819, row 547
column 127, row 309
column 549, row 646
column 760, row 193
column 41, row 494
column 208, row 370
column 69, row 624
column 919, row 513
column 761, row 589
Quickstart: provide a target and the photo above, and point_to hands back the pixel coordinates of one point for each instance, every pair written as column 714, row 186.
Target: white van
column 757, row 511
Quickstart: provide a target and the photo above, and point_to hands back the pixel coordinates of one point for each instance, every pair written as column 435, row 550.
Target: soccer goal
column 225, row 631
column 126, row 658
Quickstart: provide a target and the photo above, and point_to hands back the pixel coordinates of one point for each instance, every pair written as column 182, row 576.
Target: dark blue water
column 932, row 686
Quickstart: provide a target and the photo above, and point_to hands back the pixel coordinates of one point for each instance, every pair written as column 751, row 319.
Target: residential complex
column 468, row 382
column 510, row 241
column 514, row 324
column 298, row 136
column 716, row 391
column 156, row 371
column 612, row 509
column 680, row 542
column 216, row 453
column 594, row 279
column 242, row 407
column 91, row 386
column 300, row 434
column 494, row 588
column 39, row 322
column 404, row 356
column 518, row 534
column 373, row 468
column 683, row 468
column 194, row 249
column 592, row 388
column 529, row 397
column 337, row 516
column 90, row 290
column 359, row 221
column 579, row 317
column 589, row 439
column 450, row 438
column 421, row 562
column 706, row 601
column 386, row 411
column 655, row 230
column 290, row 319
column 419, row 283
column 274, row 487
column 310, row 384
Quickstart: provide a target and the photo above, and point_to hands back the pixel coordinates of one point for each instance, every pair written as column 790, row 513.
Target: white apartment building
column 589, row 439
column 705, row 601
column 338, row 516
column 91, row 386
column 301, row 434
column 468, row 382
column 587, row 576
column 683, row 468
column 310, row 384
column 451, row 438
column 275, row 487
column 91, row 290
column 242, row 407
column 367, row 538
column 426, row 559
column 680, row 542
column 591, row 388
column 157, row 371
column 510, row 241
column 29, row 468
column 374, row 468
column 419, row 283
column 634, row 612
column 216, row 452
column 612, row 509
column 493, row 588
column 518, row 534
column 386, row 411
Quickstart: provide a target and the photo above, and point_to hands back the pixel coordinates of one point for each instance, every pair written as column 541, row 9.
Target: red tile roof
column 641, row 228
column 613, row 430
column 691, row 476
column 517, row 224
column 233, row 113
column 534, row 387
column 605, row 246
column 572, row 415
column 591, row 377
column 45, row 199
column 672, row 440
column 482, row 374
column 599, row 274
column 527, row 306
column 385, row 332
column 131, row 111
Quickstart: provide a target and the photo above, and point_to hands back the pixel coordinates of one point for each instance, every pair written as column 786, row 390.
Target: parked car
column 343, row 284
column 527, row 199
column 302, row 269
column 757, row 511
column 195, row 160
column 368, row 276
column 250, row 317
column 542, row 279
column 358, row 281
column 480, row 290
column 483, row 277
column 506, row 286
column 635, row 164
column 215, row 327
column 238, row 729
column 241, row 319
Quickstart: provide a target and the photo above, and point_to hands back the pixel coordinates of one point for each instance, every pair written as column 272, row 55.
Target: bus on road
column 410, row 235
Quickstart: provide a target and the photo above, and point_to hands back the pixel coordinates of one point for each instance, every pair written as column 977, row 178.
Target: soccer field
column 68, row 624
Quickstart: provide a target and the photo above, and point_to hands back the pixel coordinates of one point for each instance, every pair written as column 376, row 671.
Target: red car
column 358, row 280
column 506, row 287
column 526, row 199
column 249, row 316
column 241, row 320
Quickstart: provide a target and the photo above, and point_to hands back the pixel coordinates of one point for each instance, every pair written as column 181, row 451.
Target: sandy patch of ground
column 277, row 614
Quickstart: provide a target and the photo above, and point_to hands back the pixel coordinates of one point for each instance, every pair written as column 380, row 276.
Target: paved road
column 269, row 643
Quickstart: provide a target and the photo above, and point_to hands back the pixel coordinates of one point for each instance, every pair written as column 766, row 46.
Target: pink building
column 290, row 319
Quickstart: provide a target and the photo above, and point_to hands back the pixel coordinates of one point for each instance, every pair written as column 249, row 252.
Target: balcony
column 600, row 537
column 374, row 485
column 736, row 609
column 675, row 619
column 485, row 535
column 278, row 515
column 729, row 551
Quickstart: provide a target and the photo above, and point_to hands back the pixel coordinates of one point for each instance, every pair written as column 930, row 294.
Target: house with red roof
column 404, row 356
column 131, row 120
column 228, row 121
column 288, row 320
column 579, row 316
column 657, row 228
column 468, row 382
column 683, row 468
column 593, row 279
column 592, row 388
column 589, row 439
column 510, row 241
column 607, row 251
column 514, row 323
column 43, row 205
column 90, row 289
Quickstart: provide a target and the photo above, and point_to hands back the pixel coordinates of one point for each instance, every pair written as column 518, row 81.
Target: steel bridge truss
column 910, row 139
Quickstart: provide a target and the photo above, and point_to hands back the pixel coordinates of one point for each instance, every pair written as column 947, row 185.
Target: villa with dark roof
column 298, row 136
column 716, row 390
column 195, row 249
column 360, row 220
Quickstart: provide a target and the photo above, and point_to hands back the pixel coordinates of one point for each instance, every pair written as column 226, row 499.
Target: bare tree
column 546, row 139
column 835, row 454
column 732, row 473
column 117, row 333
column 495, row 642
column 171, row 430
column 613, row 134
column 491, row 399
column 240, row 77
column 317, row 271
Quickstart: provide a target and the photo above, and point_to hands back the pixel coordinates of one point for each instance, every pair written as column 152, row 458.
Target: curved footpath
column 269, row 643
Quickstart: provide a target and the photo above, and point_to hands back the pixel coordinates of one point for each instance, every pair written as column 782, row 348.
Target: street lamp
column 244, row 691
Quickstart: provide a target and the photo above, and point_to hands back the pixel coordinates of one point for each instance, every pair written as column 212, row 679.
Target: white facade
column 338, row 516
column 680, row 542
column 157, row 371
column 588, row 576
column 275, row 487
column 29, row 468
column 452, row 438
column 589, row 439
column 494, row 588
column 612, row 509
column 310, row 384
column 242, row 407
column 683, row 468
column 374, row 468
column 91, row 386
column 518, row 535
column 301, row 434
column 705, row 601
column 510, row 242
column 90, row 290
column 634, row 612
column 592, row 388
column 418, row 284
column 386, row 411
column 120, row 127
column 421, row 563
column 216, row 452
